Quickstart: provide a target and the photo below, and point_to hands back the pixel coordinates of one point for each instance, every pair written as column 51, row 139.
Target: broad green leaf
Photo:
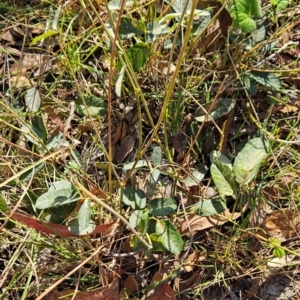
column 129, row 197
column 170, row 237
column 260, row 34
column 156, row 242
column 32, row 134
column 157, row 156
column 3, row 205
column 84, row 215
column 91, row 105
column 56, row 197
column 138, row 55
column 140, row 198
column 201, row 21
column 141, row 163
column 43, row 36
column 76, row 156
column 216, row 155
column 249, row 84
column 281, row 4
column 38, row 123
column 62, row 184
column 129, row 28
column 208, row 208
column 57, row 142
column 267, row 79
column 223, row 178
column 33, row 99
column 135, row 218
column 154, row 29
column 248, row 161
column 144, row 222
column 75, row 228
column 32, row 172
column 195, row 177
column 242, row 12
column 162, row 206
column 220, row 108
column 154, row 176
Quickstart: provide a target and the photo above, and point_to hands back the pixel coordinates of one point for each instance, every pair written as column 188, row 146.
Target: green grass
column 159, row 110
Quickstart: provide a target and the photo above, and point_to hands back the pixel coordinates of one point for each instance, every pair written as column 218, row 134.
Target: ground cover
column 149, row 150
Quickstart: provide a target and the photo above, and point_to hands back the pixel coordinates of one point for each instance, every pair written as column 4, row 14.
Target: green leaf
column 32, row 134
column 221, row 107
column 170, row 237
column 75, row 228
column 156, row 242
column 195, row 177
column 248, row 161
column 249, row 84
column 138, row 55
column 154, row 176
column 129, row 28
column 267, row 79
column 157, row 156
column 141, row 163
column 223, row 178
column 140, row 198
column 62, row 184
column 3, row 205
column 94, row 106
column 154, row 29
column 56, row 197
column 208, row 208
column 278, row 252
column 129, row 197
column 33, row 99
column 162, row 206
column 135, row 218
column 242, row 12
column 216, row 155
column 144, row 222
column 43, row 36
column 76, row 156
column 32, row 172
column 281, row 5
column 38, row 123
column 84, row 215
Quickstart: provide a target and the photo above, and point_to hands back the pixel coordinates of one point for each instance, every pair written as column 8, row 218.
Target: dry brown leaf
column 20, row 82
column 103, row 293
column 164, row 292
column 59, row 124
column 192, row 260
column 27, row 62
column 198, row 223
column 9, row 36
column 282, row 224
column 131, row 285
column 192, row 282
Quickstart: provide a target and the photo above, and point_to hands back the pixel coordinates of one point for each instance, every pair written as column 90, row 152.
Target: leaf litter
column 207, row 212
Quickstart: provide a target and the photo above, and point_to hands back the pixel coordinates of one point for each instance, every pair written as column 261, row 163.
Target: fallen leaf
column 164, row 292
column 20, row 82
column 130, row 285
column 27, row 62
column 198, row 223
column 52, row 228
column 102, row 293
column 282, row 224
